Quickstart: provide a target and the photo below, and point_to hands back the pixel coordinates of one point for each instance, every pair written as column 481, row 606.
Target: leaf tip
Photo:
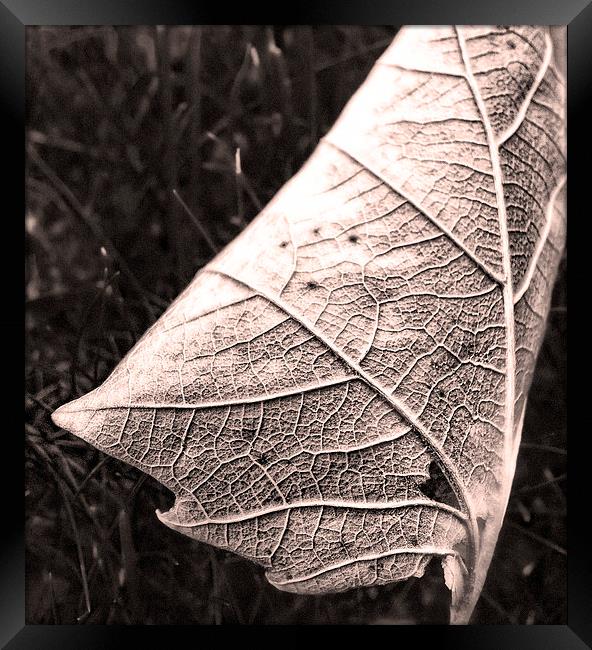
column 74, row 416
column 61, row 416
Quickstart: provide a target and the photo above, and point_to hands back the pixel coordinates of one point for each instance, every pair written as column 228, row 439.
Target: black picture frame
column 15, row 15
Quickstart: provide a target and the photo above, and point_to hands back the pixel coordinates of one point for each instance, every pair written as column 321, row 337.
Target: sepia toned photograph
column 296, row 316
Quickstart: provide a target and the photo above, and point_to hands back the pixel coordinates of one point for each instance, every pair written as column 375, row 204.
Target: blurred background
column 118, row 118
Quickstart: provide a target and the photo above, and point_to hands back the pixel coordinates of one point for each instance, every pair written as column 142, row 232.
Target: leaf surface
column 338, row 396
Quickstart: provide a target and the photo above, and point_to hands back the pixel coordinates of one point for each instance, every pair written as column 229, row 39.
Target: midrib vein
column 506, row 260
column 444, row 461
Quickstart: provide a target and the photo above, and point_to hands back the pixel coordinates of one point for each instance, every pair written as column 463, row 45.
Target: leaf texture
column 338, row 396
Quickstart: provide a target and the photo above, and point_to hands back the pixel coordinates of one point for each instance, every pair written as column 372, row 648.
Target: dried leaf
column 339, row 395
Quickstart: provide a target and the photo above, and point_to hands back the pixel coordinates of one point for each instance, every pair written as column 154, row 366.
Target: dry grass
column 118, row 118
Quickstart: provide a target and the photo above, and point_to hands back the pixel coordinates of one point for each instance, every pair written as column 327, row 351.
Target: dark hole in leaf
column 261, row 457
column 316, row 231
column 467, row 349
column 436, row 596
column 354, row 239
column 512, row 45
column 311, row 285
column 438, row 488
column 283, row 244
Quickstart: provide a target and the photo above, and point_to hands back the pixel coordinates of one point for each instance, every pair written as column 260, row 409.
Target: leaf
column 338, row 396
